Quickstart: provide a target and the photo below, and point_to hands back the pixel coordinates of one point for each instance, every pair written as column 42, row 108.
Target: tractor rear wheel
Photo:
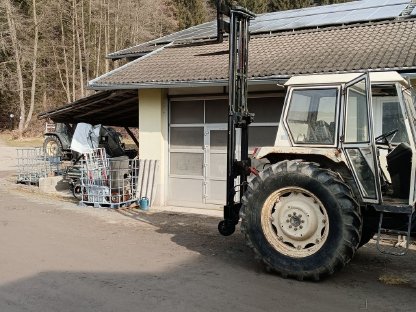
column 52, row 146
column 301, row 220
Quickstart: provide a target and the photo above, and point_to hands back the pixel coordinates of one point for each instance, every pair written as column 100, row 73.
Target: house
column 175, row 88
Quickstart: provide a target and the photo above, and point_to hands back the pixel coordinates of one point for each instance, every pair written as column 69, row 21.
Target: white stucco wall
column 153, row 135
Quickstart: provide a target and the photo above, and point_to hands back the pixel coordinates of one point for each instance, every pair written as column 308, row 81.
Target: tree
column 262, row 6
column 323, row 2
column 256, row 6
column 50, row 49
column 190, row 12
column 12, row 17
column 281, row 5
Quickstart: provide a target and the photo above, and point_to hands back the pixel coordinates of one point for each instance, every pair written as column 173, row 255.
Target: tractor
column 57, row 141
column 341, row 170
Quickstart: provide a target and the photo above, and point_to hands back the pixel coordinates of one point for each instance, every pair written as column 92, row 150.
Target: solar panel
column 205, row 30
column 342, row 13
column 357, row 11
column 336, row 14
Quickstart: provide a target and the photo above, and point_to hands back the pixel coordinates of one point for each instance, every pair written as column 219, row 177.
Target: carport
column 117, row 108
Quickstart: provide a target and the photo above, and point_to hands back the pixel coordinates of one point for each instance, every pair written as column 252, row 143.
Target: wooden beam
column 109, row 107
column 133, row 137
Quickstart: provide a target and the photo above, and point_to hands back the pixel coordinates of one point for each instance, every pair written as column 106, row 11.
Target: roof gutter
column 186, row 84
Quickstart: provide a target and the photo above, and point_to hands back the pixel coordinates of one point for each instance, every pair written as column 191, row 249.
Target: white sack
column 85, row 138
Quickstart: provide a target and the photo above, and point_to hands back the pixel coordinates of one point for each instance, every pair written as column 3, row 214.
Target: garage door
column 198, row 145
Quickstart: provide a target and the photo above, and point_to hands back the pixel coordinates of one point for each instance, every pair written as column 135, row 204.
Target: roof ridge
column 332, row 27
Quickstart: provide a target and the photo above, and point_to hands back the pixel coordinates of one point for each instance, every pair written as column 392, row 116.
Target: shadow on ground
column 198, row 286
column 199, row 233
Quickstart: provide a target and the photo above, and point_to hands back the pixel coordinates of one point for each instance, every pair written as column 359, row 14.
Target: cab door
column 357, row 140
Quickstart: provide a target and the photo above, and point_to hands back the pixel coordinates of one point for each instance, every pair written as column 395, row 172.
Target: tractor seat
column 399, row 165
column 323, row 132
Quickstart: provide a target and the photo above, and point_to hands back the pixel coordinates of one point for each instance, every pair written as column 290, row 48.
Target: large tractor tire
column 301, row 220
column 52, row 146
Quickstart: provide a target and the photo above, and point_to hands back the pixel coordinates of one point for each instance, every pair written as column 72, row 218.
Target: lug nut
column 301, row 227
column 300, row 216
column 289, row 215
column 303, row 221
column 294, row 213
column 296, row 229
column 290, row 226
column 287, row 220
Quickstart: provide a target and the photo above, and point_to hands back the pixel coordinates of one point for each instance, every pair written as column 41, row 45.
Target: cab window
column 311, row 116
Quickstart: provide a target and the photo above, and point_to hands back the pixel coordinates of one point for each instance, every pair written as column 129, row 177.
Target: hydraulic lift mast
column 238, row 114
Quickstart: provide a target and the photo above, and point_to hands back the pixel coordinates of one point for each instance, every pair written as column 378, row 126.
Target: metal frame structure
column 238, row 116
column 33, row 164
column 109, row 182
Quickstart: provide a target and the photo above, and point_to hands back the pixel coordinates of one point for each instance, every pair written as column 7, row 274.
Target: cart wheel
column 226, row 228
column 77, row 191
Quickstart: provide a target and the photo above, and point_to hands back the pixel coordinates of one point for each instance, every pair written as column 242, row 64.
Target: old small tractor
column 342, row 168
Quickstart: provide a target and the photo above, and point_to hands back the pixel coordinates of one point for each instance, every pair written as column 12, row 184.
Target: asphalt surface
column 56, row 256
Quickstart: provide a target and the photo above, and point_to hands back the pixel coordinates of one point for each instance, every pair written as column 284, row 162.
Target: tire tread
column 343, row 194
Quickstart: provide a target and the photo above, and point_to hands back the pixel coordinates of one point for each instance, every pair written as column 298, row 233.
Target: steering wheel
column 383, row 137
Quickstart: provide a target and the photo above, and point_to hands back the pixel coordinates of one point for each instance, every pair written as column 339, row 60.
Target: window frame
column 336, row 119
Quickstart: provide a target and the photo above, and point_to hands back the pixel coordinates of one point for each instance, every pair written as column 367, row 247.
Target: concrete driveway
column 56, row 256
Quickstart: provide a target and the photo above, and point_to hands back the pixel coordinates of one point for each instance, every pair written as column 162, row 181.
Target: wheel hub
column 52, row 148
column 298, row 222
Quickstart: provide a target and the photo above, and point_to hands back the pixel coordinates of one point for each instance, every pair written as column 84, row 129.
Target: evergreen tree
column 256, row 6
column 323, row 2
column 281, row 5
column 190, row 12
column 262, row 6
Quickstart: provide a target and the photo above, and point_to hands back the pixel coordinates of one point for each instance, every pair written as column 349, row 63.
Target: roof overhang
column 185, row 84
column 110, row 108
column 376, row 77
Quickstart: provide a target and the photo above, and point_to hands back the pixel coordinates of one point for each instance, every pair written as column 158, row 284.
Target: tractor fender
column 333, row 154
column 65, row 142
column 330, row 158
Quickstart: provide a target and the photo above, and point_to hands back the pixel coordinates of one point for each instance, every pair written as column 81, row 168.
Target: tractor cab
column 362, row 129
column 364, row 123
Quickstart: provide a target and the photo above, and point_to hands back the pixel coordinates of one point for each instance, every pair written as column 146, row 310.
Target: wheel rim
column 77, row 191
column 295, row 222
column 52, row 148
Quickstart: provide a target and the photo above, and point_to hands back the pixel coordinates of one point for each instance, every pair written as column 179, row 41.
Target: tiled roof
column 139, row 50
column 272, row 22
column 373, row 46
